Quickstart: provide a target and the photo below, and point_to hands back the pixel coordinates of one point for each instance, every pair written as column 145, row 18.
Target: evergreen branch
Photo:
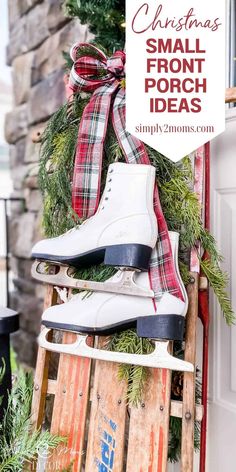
column 218, row 281
column 18, row 444
column 105, row 19
column 136, row 376
column 68, row 61
column 184, row 273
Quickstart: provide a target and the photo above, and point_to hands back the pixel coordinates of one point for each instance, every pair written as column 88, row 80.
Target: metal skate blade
column 159, row 358
column 64, row 278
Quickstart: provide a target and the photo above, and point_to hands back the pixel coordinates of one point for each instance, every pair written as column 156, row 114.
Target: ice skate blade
column 159, row 358
column 125, row 286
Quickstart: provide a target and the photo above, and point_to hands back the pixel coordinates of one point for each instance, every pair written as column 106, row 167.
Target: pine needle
column 136, row 376
column 218, row 281
column 104, row 17
column 19, row 446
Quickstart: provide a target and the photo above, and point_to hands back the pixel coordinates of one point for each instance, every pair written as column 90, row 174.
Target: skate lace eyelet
column 110, row 171
column 106, row 198
column 110, row 180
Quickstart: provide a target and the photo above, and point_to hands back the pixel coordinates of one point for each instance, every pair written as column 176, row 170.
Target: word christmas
column 144, row 20
column 184, row 74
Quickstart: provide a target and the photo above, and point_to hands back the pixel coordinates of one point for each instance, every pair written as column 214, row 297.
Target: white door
column 222, row 391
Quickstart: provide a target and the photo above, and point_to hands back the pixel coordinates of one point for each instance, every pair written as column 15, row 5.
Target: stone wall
column 39, row 32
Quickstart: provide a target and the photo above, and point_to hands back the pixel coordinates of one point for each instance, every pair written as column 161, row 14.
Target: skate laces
column 106, row 197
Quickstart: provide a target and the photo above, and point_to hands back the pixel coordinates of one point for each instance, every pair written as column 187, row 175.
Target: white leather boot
column 105, row 313
column 123, row 231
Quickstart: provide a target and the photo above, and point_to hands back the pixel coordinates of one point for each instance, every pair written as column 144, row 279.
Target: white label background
column 176, row 145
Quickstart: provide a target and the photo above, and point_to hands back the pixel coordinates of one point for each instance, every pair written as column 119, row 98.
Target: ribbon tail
column 162, row 272
column 89, row 152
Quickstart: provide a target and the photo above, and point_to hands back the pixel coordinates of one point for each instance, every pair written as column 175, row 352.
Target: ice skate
column 123, row 231
column 105, row 313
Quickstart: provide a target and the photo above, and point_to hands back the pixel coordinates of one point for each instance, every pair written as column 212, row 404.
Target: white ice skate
column 123, row 231
column 105, row 313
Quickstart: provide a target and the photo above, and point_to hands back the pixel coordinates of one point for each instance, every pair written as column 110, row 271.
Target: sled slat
column 187, row 451
column 106, row 437
column 176, row 409
column 149, row 426
column 52, row 386
column 70, row 409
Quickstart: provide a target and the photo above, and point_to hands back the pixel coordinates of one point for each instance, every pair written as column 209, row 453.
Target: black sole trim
column 135, row 256
column 104, row 331
column 168, row 327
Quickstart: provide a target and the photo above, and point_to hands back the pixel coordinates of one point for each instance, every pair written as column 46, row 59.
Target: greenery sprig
column 19, row 446
column 106, row 20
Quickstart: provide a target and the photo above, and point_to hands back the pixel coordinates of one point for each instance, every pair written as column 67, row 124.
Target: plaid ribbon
column 93, row 72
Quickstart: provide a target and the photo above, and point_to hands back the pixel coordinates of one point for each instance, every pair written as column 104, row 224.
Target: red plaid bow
column 93, row 72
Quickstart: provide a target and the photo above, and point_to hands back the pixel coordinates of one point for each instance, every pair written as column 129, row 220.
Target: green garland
column 106, row 20
column 19, row 446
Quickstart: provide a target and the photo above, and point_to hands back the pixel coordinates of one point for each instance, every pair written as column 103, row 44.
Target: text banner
column 175, row 73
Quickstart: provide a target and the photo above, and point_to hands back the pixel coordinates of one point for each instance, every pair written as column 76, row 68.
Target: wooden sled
column 90, row 407
column 94, row 415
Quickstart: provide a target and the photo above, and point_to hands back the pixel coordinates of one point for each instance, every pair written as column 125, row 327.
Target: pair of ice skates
column 122, row 233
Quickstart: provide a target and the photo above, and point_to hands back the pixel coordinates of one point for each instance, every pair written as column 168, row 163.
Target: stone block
column 20, row 174
column 13, row 13
column 22, row 268
column 18, row 40
column 32, row 148
column 48, row 58
column 36, row 26
column 56, row 17
column 22, row 230
column 33, row 199
column 22, row 70
column 30, row 310
column 31, row 181
column 16, row 124
column 36, row 133
column 17, row 206
column 26, row 5
column 24, row 286
column 17, row 153
column 38, row 233
column 46, row 97
column 31, row 319
column 26, row 347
